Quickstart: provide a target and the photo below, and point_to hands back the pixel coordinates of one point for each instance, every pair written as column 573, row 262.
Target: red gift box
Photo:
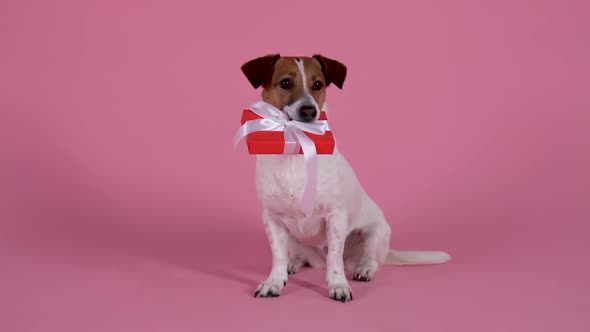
column 273, row 142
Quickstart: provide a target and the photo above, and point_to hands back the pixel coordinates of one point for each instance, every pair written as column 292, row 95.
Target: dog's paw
column 365, row 271
column 341, row 292
column 270, row 288
column 363, row 274
column 295, row 264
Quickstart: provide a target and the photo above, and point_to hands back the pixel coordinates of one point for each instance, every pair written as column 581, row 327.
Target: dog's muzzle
column 307, row 113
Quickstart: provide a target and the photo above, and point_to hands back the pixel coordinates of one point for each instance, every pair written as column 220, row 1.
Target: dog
column 346, row 232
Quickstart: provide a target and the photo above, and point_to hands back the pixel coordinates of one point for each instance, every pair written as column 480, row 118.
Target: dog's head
column 296, row 85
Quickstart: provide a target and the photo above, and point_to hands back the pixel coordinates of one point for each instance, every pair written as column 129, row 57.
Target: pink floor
column 123, row 206
column 517, row 267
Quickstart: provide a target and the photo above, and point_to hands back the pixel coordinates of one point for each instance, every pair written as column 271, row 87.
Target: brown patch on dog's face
column 296, row 85
column 287, row 84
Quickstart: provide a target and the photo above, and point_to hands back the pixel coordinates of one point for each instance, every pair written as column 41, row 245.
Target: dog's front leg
column 337, row 226
column 278, row 239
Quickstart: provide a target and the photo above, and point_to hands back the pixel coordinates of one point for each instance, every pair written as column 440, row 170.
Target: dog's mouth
column 310, row 121
column 291, row 119
column 287, row 114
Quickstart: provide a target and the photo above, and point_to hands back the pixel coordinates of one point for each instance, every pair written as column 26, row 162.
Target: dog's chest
column 309, row 230
column 280, row 178
column 280, row 181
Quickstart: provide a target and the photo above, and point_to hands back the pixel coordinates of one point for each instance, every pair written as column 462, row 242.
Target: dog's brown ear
column 334, row 71
column 259, row 71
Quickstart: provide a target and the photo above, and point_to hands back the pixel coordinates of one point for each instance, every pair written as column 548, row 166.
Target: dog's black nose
column 307, row 113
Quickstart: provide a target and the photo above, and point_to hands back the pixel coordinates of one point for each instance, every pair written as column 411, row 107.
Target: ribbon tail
column 311, row 163
column 291, row 141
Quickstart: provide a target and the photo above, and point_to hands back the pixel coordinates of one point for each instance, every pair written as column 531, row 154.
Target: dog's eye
column 286, row 84
column 317, row 85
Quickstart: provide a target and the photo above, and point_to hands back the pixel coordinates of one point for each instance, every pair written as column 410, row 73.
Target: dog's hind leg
column 371, row 252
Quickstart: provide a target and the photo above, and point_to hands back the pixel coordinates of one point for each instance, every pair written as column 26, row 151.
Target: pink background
column 123, row 206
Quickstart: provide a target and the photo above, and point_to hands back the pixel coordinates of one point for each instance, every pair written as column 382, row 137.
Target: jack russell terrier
column 346, row 232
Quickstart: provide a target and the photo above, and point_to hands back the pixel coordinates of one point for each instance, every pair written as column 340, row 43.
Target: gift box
column 273, row 142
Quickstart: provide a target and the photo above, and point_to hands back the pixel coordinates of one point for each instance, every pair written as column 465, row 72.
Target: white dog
column 346, row 230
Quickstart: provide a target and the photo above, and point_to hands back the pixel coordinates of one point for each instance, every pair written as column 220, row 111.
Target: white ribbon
column 275, row 120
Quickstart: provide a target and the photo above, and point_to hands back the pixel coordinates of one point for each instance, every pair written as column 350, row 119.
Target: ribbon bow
column 275, row 120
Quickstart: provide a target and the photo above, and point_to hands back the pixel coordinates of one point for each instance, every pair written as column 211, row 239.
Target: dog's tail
column 403, row 257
